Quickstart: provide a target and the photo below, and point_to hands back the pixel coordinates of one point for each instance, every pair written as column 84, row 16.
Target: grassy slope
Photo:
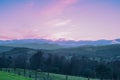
column 53, row 76
column 63, row 77
column 41, row 75
column 9, row 76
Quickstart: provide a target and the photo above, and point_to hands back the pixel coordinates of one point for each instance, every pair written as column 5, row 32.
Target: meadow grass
column 43, row 75
column 11, row 76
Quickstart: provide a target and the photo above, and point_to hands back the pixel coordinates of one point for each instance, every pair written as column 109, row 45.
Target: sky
column 59, row 19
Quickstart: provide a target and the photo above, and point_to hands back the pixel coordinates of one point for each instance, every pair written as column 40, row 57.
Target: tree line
column 68, row 65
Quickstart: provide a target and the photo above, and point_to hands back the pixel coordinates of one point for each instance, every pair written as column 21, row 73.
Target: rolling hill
column 36, row 46
column 5, row 48
column 105, row 52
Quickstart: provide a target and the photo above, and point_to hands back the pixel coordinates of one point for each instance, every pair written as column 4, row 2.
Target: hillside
column 105, row 52
column 108, row 51
column 35, row 46
column 14, row 52
column 5, row 48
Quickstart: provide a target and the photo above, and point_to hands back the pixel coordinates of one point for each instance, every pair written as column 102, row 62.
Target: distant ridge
column 49, row 44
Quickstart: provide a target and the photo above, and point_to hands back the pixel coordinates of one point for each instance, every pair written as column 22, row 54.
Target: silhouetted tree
column 103, row 71
column 36, row 62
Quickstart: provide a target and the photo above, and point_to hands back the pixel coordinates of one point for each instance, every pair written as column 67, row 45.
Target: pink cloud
column 33, row 20
column 57, row 8
column 69, row 2
column 30, row 4
column 5, row 37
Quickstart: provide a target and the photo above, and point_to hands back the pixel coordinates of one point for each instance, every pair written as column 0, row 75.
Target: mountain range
column 49, row 44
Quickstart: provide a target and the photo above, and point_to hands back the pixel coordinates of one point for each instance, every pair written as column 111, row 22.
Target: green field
column 10, row 76
column 63, row 77
column 41, row 76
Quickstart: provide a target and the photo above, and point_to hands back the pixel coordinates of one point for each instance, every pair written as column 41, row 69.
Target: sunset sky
column 56, row 19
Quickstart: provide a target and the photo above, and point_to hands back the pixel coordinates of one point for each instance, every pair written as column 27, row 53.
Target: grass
column 10, row 76
column 63, row 77
column 44, row 75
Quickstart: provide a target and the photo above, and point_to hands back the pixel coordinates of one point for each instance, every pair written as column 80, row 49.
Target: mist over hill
column 49, row 44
